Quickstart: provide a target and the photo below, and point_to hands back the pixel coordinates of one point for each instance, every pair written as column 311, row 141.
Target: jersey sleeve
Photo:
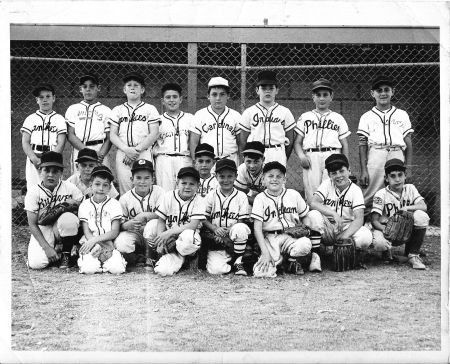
column 116, row 210
column 196, row 124
column 300, row 125
column 302, row 207
column 106, row 113
column 209, row 203
column 289, row 121
column 237, row 125
column 27, row 126
column 83, row 211
column 378, row 202
column 113, row 193
column 162, row 210
column 61, row 125
column 406, row 125
column 416, row 196
column 344, row 132
column 243, row 206
column 153, row 116
column 322, row 190
column 240, row 181
column 358, row 198
column 70, row 116
column 123, row 205
column 113, row 117
column 74, row 191
column 363, row 126
column 198, row 210
column 258, row 207
column 31, row 201
column 245, row 123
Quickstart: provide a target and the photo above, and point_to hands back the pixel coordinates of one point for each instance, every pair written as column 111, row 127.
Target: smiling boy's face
column 274, row 180
column 340, row 177
column 187, row 187
column 142, row 180
column 172, row 100
column 50, row 176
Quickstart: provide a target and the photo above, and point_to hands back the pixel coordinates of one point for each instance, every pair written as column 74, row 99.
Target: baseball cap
column 102, row 171
column 135, row 77
column 254, row 147
column 225, row 164
column 142, row 164
column 89, row 76
column 336, row 161
column 267, row 78
column 321, row 83
column 51, row 158
column 87, row 154
column 394, row 165
column 188, row 171
column 204, row 149
column 218, row 81
column 381, row 80
column 43, row 87
column 274, row 165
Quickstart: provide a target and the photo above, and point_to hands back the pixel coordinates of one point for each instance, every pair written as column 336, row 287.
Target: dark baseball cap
column 51, row 159
column 321, row 83
column 254, row 147
column 274, row 165
column 267, row 78
column 89, row 76
column 43, row 87
column 394, row 165
column 226, row 164
column 142, row 164
column 336, row 161
column 204, row 149
column 135, row 77
column 87, row 154
column 382, row 80
column 102, row 171
column 172, row 87
column 188, row 171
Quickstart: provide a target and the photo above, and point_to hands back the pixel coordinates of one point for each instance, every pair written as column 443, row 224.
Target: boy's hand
column 264, row 262
column 100, row 157
column 134, row 225
column 221, row 232
column 127, row 161
column 338, row 221
column 87, row 246
column 364, row 179
column 163, row 238
column 35, row 160
column 305, row 162
column 51, row 254
column 132, row 153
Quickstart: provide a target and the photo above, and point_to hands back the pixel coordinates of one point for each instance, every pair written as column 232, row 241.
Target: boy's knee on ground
column 87, row 264
column 116, row 264
column 169, row 264
column 37, row 262
column 217, row 262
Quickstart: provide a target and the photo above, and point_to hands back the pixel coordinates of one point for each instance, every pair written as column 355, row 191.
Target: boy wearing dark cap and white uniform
column 205, row 160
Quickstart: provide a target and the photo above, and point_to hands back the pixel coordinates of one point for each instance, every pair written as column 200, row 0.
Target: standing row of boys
column 220, row 198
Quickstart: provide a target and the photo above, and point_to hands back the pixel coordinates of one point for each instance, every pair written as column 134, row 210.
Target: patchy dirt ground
column 387, row 307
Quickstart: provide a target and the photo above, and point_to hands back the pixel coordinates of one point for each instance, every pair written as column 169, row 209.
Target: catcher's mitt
column 344, row 255
column 210, row 241
column 168, row 247
column 298, row 231
column 399, row 227
column 51, row 214
column 330, row 232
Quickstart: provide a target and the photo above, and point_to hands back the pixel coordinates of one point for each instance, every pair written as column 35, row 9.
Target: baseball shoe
column 295, row 267
column 239, row 269
column 415, row 262
column 149, row 264
column 386, row 256
column 65, row 261
column 315, row 263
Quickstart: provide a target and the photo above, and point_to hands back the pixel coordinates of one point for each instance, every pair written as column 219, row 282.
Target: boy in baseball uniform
column 269, row 122
column 226, row 209
column 49, row 193
column 204, row 163
column 87, row 160
column 179, row 215
column 87, row 122
column 274, row 210
column 134, row 129
column 172, row 146
column 384, row 133
column 341, row 202
column 100, row 218
column 217, row 124
column 139, row 217
column 43, row 131
column 319, row 133
column 399, row 196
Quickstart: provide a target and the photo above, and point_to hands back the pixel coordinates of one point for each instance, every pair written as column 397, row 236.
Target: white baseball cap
column 218, row 81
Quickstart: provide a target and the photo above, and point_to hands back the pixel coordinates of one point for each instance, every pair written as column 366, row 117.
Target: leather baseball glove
column 168, row 247
column 344, row 255
column 399, row 227
column 213, row 242
column 298, row 231
column 51, row 214
column 330, row 232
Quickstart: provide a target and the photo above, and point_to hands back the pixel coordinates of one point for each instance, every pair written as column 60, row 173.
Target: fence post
column 192, row 78
column 243, row 75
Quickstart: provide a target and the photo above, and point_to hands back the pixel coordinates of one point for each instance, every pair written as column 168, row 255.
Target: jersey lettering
column 322, row 124
column 268, row 119
column 220, row 125
column 48, row 126
column 225, row 214
column 44, row 202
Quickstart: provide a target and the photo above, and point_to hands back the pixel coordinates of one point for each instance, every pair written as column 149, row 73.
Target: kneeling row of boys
column 147, row 220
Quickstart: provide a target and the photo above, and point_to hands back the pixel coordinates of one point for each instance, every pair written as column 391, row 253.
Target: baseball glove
column 298, row 231
column 330, row 232
column 399, row 227
column 168, row 247
column 51, row 214
column 213, row 242
column 344, row 255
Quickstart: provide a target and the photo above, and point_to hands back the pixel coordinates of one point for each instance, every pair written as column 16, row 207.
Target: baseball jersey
column 279, row 212
column 40, row 197
column 219, row 131
column 177, row 212
column 87, row 190
column 388, row 127
column 343, row 202
column 246, row 180
column 90, row 121
column 268, row 126
column 44, row 128
column 387, row 202
column 99, row 216
column 207, row 185
column 174, row 134
column 133, row 204
column 133, row 122
column 322, row 130
column 224, row 210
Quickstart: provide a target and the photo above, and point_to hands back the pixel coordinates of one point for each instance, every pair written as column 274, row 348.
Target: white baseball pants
column 166, row 170
column 124, row 172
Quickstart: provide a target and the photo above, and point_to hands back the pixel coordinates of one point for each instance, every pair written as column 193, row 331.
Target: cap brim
column 209, row 154
column 85, row 78
column 189, row 174
column 321, row 87
column 142, row 168
column 254, row 151
column 111, row 177
column 82, row 159
column 382, row 82
column 226, row 167
column 51, row 164
column 267, row 82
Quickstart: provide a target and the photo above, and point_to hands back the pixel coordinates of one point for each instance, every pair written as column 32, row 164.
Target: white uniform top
column 174, row 134
column 387, row 202
column 177, row 212
column 279, row 212
column 207, row 185
column 133, row 123
column 133, row 204
column 245, row 180
column 345, row 202
column 100, row 216
column 90, row 121
column 44, row 128
column 322, row 130
column 388, row 127
column 219, row 131
column 268, row 126
column 87, row 190
column 39, row 197
column 224, row 210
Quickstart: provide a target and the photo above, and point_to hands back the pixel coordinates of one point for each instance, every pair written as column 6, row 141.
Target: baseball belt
column 40, row 148
column 273, row 146
column 386, row 147
column 321, row 149
column 173, row 154
column 94, row 142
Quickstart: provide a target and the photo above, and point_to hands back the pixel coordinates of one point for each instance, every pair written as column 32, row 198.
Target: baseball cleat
column 386, row 255
column 295, row 267
column 415, row 262
column 65, row 261
column 239, row 269
column 315, row 263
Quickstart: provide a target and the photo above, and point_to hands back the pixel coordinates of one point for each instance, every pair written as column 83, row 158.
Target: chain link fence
column 414, row 67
